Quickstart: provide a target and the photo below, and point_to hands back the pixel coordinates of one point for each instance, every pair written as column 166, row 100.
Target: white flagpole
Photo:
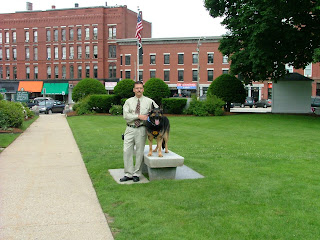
column 137, row 78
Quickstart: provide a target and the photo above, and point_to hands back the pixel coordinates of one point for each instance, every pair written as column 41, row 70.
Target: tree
column 87, row 87
column 263, row 36
column 228, row 88
column 156, row 89
column 124, row 88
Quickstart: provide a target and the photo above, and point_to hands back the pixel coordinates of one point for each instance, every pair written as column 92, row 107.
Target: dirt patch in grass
column 11, row 130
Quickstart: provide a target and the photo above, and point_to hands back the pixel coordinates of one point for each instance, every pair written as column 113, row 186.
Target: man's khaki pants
column 133, row 137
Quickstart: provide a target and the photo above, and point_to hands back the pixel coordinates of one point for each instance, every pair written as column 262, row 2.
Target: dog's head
column 155, row 115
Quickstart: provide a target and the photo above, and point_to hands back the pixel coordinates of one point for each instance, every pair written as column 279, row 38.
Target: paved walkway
column 45, row 190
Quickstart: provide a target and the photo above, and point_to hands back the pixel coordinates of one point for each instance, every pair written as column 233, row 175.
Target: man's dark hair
column 138, row 82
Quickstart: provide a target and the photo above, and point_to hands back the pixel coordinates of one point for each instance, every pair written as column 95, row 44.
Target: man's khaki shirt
column 129, row 108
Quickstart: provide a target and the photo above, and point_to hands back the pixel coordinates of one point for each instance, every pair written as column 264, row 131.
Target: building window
column 121, row 58
column 140, row 75
column 48, row 53
column 14, row 53
column 79, row 52
column 14, row 37
column 225, row 71
column 1, row 54
column 48, row 35
column 56, row 72
column 128, row 74
column 166, row 58
column 87, row 71
column 64, row 53
column 71, row 52
column 152, row 59
column 79, row 71
column 140, row 59
column 308, row 70
column 87, row 52
column 180, row 58
column 71, row 72
column 195, row 59
column 7, row 54
column 71, row 34
column 56, row 52
column 95, row 71
column 112, row 51
column 27, row 53
column 166, row 75
column 35, row 72
column 63, row 34
column 55, row 35
column 225, row 59
column 180, row 75
column 79, row 33
column 35, row 36
column 0, row 37
column 27, row 72
column 7, row 72
column 1, row 72
column 289, row 68
column 112, row 70
column 127, row 60
column 95, row 51
column 95, row 33
column 112, row 32
column 27, row 36
column 194, row 75
column 87, row 33
column 7, row 37
column 35, row 54
column 210, row 57
column 48, row 72
column 121, row 73
column 152, row 73
column 210, row 75
column 15, row 75
column 64, row 72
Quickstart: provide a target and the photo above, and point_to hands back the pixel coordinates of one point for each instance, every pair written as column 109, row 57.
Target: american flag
column 139, row 27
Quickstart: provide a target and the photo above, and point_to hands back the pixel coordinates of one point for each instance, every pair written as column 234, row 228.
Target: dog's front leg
column 159, row 145
column 150, row 140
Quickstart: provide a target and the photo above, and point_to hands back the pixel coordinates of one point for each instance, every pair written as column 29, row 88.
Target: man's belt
column 134, row 126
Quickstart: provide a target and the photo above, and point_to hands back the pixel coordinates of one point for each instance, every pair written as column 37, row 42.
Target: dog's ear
column 152, row 106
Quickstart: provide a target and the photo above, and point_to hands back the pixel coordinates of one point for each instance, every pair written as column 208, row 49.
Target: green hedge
column 174, row 105
column 11, row 114
column 102, row 103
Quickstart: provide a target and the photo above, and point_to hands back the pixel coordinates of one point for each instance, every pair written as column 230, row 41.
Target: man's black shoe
column 136, row 179
column 125, row 178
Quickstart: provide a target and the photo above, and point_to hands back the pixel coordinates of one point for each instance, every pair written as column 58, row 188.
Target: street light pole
column 198, row 76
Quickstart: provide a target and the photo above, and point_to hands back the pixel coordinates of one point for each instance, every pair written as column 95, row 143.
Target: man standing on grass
column 135, row 111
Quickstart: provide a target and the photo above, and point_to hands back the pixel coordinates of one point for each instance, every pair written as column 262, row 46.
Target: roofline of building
column 131, row 41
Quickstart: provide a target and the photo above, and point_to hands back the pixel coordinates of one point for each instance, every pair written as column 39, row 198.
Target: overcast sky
column 169, row 18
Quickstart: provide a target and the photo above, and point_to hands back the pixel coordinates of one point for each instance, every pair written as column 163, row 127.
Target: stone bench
column 161, row 167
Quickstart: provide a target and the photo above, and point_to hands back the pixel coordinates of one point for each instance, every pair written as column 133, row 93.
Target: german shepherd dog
column 158, row 128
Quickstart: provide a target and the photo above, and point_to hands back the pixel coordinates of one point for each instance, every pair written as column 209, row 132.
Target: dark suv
column 51, row 106
column 315, row 103
column 248, row 102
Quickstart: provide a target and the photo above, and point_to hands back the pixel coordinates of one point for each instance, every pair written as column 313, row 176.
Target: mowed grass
column 261, row 180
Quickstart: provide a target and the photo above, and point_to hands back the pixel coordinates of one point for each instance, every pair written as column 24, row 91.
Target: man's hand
column 143, row 117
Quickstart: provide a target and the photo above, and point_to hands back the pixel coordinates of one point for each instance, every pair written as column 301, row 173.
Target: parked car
column 264, row 103
column 315, row 103
column 51, row 106
column 248, row 102
column 36, row 101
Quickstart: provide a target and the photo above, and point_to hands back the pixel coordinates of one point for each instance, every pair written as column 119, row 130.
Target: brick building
column 56, row 48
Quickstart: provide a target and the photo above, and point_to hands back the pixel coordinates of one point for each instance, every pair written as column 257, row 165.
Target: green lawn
column 7, row 138
column 261, row 178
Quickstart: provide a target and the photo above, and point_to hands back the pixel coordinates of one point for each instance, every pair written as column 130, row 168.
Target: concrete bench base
column 161, row 167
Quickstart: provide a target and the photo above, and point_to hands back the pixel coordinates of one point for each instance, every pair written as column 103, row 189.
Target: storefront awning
column 55, row 88
column 9, row 87
column 30, row 86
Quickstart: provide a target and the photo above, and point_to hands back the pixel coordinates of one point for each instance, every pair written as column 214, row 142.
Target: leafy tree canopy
column 87, row 87
column 156, row 89
column 124, row 88
column 264, row 35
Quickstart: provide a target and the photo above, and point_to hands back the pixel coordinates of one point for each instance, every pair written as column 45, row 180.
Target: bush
column 197, row 108
column 28, row 112
column 116, row 110
column 174, row 105
column 1, row 97
column 11, row 114
column 123, row 100
column 124, row 88
column 83, row 107
column 101, row 103
column 156, row 89
column 214, row 105
column 87, row 87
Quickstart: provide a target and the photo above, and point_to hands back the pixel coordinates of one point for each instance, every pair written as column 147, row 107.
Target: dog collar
column 150, row 121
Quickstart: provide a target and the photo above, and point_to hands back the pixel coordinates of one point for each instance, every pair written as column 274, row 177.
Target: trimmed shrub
column 156, row 89
column 116, row 110
column 174, row 105
column 124, row 88
column 1, row 97
column 83, row 107
column 87, row 87
column 122, row 101
column 101, row 103
column 197, row 108
column 28, row 112
column 214, row 105
column 11, row 114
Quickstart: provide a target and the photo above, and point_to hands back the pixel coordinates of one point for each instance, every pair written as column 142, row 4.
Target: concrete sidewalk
column 45, row 190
